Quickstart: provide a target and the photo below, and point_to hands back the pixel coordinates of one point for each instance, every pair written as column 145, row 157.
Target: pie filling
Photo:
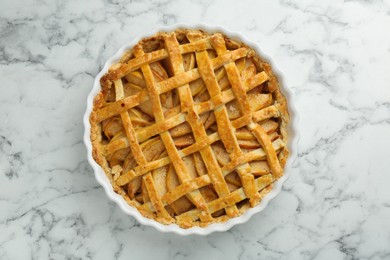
column 190, row 128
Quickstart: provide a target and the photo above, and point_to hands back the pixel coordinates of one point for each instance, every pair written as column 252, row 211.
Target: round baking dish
column 104, row 181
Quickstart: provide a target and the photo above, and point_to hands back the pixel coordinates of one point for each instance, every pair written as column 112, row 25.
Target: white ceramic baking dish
column 292, row 143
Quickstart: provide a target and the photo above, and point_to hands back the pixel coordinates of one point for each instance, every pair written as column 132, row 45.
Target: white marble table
column 336, row 58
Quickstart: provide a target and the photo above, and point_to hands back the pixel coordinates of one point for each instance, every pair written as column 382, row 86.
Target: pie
column 190, row 127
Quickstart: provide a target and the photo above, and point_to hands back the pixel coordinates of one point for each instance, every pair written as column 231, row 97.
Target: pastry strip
column 230, row 142
column 177, row 161
column 199, row 132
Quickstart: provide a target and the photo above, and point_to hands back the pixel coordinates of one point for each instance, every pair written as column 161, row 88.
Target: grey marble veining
column 336, row 58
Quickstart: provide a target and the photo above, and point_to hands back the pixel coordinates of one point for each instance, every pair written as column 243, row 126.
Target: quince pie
column 190, row 127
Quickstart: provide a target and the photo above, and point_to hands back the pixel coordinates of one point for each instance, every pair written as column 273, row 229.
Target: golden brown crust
column 190, row 128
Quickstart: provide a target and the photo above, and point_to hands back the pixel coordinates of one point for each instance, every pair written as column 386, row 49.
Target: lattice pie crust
column 190, row 128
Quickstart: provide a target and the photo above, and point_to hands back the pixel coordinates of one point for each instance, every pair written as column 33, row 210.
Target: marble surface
column 336, row 58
